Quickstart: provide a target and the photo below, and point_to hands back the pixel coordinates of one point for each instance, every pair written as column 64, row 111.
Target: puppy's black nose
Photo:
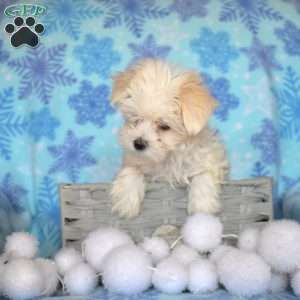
column 140, row 144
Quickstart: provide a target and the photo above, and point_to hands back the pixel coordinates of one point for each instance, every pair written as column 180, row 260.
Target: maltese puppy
column 166, row 137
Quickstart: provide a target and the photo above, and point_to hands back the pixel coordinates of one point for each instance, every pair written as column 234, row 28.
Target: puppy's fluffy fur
column 166, row 137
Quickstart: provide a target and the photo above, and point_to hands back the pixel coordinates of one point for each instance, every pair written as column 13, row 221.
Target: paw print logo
column 24, row 33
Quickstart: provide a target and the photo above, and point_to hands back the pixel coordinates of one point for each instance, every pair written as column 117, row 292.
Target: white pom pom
column 279, row 283
column 295, row 283
column 244, row 273
column 170, row 276
column 202, row 232
column 203, row 276
column 157, row 247
column 66, row 258
column 219, row 252
column 21, row 244
column 185, row 254
column 100, row 242
column 279, row 245
column 50, row 274
column 80, row 280
column 22, row 279
column 127, row 270
column 248, row 239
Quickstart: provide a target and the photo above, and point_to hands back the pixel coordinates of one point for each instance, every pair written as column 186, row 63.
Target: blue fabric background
column 56, row 123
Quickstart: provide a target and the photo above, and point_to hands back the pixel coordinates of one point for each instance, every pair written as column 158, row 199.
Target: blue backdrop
column 56, row 123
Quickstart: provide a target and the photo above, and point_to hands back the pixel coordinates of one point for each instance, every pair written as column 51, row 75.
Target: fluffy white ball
column 21, row 244
column 22, row 279
column 202, row 232
column 100, row 242
column 279, row 245
column 127, row 270
column 248, row 239
column 203, row 276
column 185, row 254
column 170, row 276
column 244, row 273
column 80, row 280
column 50, row 275
column 66, row 258
column 219, row 252
column 295, row 282
column 157, row 247
column 279, row 283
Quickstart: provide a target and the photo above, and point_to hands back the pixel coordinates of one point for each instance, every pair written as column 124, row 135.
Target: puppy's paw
column 210, row 206
column 128, row 192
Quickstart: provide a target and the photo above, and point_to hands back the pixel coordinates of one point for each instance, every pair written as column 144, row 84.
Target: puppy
column 166, row 137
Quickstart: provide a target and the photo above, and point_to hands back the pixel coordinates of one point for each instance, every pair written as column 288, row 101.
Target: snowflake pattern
column 41, row 70
column 132, row 13
column 42, row 124
column 295, row 3
column 149, row 48
column 48, row 216
column 259, row 170
column 97, row 56
column 91, row 104
column 72, row 156
column 219, row 89
column 289, row 105
column 249, row 12
column 214, row 49
column 4, row 55
column 189, row 8
column 11, row 125
column 267, row 142
column 290, row 35
column 261, row 55
column 67, row 15
column 14, row 193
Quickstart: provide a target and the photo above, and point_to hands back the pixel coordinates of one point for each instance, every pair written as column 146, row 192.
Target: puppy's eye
column 135, row 122
column 164, row 127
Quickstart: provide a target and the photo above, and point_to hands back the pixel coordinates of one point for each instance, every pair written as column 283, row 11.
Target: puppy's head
column 162, row 106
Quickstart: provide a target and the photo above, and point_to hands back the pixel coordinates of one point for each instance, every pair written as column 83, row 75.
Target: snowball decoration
column 203, row 276
column 219, row 252
column 202, row 232
column 66, row 258
column 157, row 247
column 295, row 282
column 21, row 244
column 248, row 239
column 127, row 270
column 50, row 275
column 80, row 280
column 279, row 245
column 184, row 254
column 279, row 283
column 170, row 276
column 22, row 279
column 100, row 242
column 244, row 273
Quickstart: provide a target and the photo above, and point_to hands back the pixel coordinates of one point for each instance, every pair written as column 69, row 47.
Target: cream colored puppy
column 165, row 136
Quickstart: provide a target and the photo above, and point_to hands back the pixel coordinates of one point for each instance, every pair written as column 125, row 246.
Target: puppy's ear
column 121, row 82
column 197, row 105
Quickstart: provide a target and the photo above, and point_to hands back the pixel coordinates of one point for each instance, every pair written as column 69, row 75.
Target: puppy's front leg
column 203, row 194
column 127, row 192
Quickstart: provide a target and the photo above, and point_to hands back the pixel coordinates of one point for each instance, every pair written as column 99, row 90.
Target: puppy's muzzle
column 140, row 144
